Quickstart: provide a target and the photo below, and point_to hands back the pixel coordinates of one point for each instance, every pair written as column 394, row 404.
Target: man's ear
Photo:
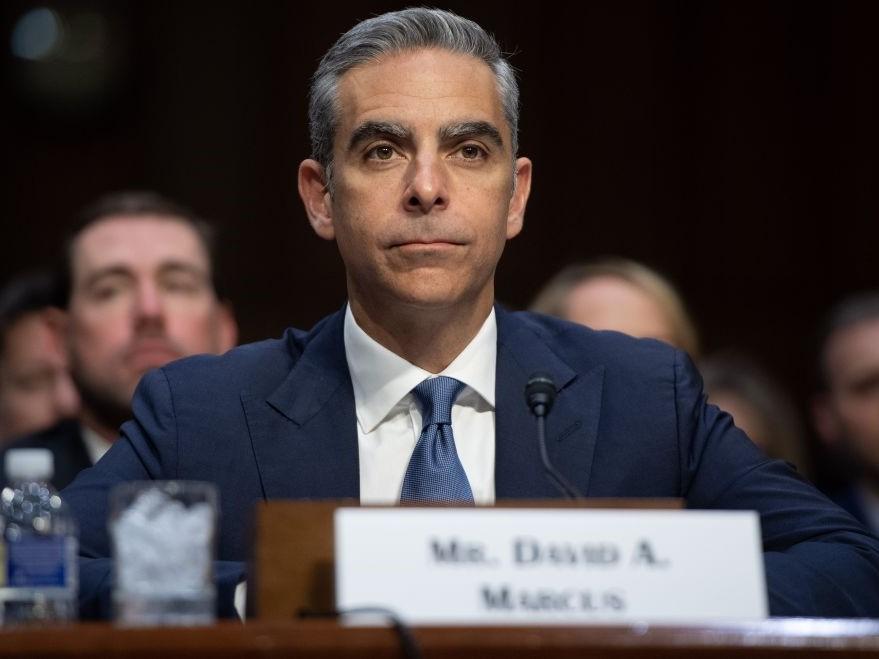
column 825, row 420
column 227, row 327
column 521, row 191
column 58, row 322
column 316, row 197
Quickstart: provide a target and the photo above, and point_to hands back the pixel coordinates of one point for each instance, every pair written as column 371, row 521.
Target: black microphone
column 540, row 393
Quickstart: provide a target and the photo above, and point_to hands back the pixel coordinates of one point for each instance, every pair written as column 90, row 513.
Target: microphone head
column 540, row 393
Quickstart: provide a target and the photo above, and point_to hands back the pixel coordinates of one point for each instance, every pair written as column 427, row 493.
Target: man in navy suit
column 415, row 176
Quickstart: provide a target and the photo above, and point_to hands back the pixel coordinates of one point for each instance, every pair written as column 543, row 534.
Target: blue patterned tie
column 435, row 472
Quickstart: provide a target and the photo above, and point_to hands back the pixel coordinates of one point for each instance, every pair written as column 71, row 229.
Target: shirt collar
column 95, row 445
column 381, row 378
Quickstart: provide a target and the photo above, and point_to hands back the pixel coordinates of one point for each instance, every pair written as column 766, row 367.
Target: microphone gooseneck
column 540, row 393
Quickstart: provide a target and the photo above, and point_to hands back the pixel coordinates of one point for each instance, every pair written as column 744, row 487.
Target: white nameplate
column 488, row 566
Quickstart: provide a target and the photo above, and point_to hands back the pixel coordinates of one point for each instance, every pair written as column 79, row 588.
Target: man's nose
column 148, row 304
column 428, row 186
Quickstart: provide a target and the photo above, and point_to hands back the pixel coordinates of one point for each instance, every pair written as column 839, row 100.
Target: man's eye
column 181, row 285
column 867, row 386
column 33, row 382
column 106, row 291
column 382, row 152
column 472, row 152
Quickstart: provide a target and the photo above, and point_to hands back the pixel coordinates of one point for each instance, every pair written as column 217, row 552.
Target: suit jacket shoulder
column 254, row 366
column 645, row 367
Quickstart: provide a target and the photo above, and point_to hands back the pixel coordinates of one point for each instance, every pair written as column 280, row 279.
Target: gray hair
column 408, row 29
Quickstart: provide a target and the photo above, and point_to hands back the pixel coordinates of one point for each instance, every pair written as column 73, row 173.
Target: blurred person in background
column 622, row 295
column 36, row 390
column 845, row 409
column 758, row 404
column 139, row 279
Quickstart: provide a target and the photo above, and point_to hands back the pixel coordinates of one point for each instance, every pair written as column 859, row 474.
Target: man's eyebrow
column 372, row 129
column 471, row 129
column 181, row 266
column 107, row 271
column 122, row 270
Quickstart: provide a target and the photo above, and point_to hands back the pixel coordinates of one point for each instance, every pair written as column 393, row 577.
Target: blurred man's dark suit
column 68, row 448
column 276, row 420
column 852, row 499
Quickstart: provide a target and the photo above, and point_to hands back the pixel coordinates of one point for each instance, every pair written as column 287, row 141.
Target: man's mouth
column 422, row 243
column 151, row 353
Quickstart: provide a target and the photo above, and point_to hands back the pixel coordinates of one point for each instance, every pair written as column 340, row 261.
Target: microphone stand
column 564, row 486
column 540, row 393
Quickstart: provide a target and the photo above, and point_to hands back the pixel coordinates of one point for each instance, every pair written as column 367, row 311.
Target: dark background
column 730, row 145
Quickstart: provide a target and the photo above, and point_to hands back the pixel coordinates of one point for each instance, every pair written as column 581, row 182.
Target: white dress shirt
column 95, row 445
column 389, row 417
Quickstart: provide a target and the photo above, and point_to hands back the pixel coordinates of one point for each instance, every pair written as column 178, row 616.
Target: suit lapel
column 304, row 434
column 572, row 425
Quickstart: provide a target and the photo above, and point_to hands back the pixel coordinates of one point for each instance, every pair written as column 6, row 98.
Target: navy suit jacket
column 276, row 420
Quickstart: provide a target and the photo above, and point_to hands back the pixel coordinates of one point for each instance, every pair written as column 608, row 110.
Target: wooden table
column 321, row 638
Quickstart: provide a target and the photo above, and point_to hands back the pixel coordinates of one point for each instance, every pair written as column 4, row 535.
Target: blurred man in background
column 846, row 408
column 139, row 277
column 621, row 295
column 35, row 386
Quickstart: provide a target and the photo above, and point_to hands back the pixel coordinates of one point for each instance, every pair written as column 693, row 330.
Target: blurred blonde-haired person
column 619, row 294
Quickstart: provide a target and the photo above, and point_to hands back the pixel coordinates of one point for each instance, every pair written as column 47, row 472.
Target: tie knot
column 436, row 396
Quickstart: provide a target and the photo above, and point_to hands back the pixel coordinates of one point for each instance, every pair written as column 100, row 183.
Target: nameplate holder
column 495, row 566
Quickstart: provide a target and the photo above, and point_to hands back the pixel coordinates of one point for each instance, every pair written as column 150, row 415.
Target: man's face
column 141, row 296
column 35, row 387
column 851, row 408
column 423, row 181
